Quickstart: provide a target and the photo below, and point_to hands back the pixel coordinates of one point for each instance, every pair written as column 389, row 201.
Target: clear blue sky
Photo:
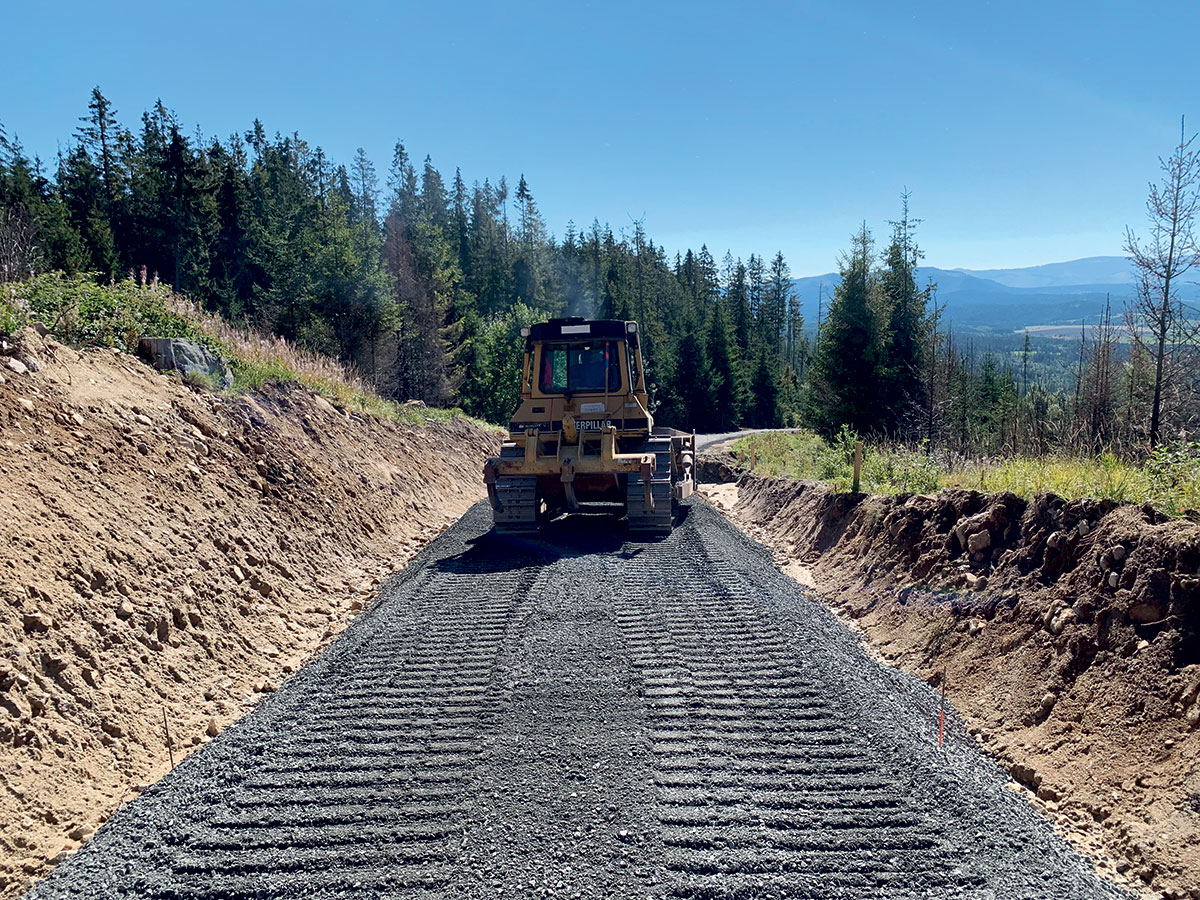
column 1026, row 132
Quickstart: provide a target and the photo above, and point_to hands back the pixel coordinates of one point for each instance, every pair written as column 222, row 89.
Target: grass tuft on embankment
column 82, row 313
column 1169, row 479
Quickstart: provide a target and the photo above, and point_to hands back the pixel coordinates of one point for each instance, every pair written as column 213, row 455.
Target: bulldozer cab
column 586, row 371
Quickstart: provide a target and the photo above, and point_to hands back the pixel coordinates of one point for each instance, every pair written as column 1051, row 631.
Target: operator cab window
column 573, row 368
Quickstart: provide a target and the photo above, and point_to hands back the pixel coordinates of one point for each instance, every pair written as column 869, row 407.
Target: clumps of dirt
column 169, row 556
column 1065, row 632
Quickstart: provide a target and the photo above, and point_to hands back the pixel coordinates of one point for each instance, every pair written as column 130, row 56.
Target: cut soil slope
column 169, row 555
column 1066, row 634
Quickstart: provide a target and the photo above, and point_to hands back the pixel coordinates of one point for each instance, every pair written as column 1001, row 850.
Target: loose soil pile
column 169, row 554
column 1065, row 632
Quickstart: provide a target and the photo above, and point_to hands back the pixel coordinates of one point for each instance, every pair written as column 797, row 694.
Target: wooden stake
column 857, row 464
column 167, row 732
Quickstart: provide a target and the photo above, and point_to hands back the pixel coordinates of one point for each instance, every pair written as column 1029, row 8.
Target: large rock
column 968, row 528
column 190, row 359
column 33, row 620
column 980, row 540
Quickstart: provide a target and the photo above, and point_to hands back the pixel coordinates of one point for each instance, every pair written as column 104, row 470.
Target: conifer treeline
column 424, row 286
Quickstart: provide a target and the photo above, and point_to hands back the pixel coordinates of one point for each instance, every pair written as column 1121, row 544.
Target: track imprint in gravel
column 576, row 715
column 762, row 785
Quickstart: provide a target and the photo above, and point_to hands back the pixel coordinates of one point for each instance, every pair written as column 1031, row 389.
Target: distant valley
column 1002, row 301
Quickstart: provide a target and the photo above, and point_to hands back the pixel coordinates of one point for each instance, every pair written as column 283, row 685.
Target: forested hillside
column 422, row 282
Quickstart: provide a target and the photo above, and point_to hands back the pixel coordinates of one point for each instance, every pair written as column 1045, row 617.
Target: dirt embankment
column 1066, row 632
column 168, row 556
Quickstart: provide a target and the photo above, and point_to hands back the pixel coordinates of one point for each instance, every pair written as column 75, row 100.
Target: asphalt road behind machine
column 583, row 437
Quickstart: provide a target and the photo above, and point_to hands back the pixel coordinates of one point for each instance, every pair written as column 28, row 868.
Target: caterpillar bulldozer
column 583, row 438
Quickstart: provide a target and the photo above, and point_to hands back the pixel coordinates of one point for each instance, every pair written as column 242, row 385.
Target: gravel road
column 588, row 717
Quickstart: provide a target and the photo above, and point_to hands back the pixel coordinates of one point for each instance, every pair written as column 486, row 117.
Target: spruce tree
column 529, row 268
column 402, row 185
column 692, row 379
column 99, row 136
column 364, row 209
column 773, row 312
column 756, row 278
column 232, row 272
column 708, row 284
column 845, row 370
column 434, row 203
column 84, row 196
column 724, row 389
column 461, row 223
column 738, row 301
column 421, row 365
column 764, row 390
column 901, row 378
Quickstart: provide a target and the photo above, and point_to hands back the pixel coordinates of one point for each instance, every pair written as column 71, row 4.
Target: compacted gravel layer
column 578, row 715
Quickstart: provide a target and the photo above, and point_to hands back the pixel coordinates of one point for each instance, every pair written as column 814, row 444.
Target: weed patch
column 1169, row 479
column 82, row 313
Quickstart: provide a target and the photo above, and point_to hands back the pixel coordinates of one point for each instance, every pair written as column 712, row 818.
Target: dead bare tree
column 1077, row 405
column 1168, row 253
column 19, row 250
column 1099, row 391
column 935, row 338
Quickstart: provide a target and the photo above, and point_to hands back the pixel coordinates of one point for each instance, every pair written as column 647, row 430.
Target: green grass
column 803, row 454
column 82, row 313
column 10, row 316
column 1169, row 479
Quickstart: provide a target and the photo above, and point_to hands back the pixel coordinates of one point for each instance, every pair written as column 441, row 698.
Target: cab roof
column 579, row 329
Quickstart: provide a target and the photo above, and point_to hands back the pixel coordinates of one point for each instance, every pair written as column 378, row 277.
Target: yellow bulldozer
column 583, row 438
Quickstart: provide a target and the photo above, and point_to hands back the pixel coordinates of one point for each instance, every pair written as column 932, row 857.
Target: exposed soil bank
column 1066, row 632
column 168, row 555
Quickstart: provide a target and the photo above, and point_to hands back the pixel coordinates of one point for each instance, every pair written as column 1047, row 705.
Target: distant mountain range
column 1091, row 270
column 1007, row 300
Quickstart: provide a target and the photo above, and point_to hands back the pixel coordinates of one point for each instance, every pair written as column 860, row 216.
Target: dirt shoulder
column 1066, row 634
column 169, row 555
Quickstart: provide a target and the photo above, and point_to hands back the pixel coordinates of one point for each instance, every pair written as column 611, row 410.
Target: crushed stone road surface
column 583, row 716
